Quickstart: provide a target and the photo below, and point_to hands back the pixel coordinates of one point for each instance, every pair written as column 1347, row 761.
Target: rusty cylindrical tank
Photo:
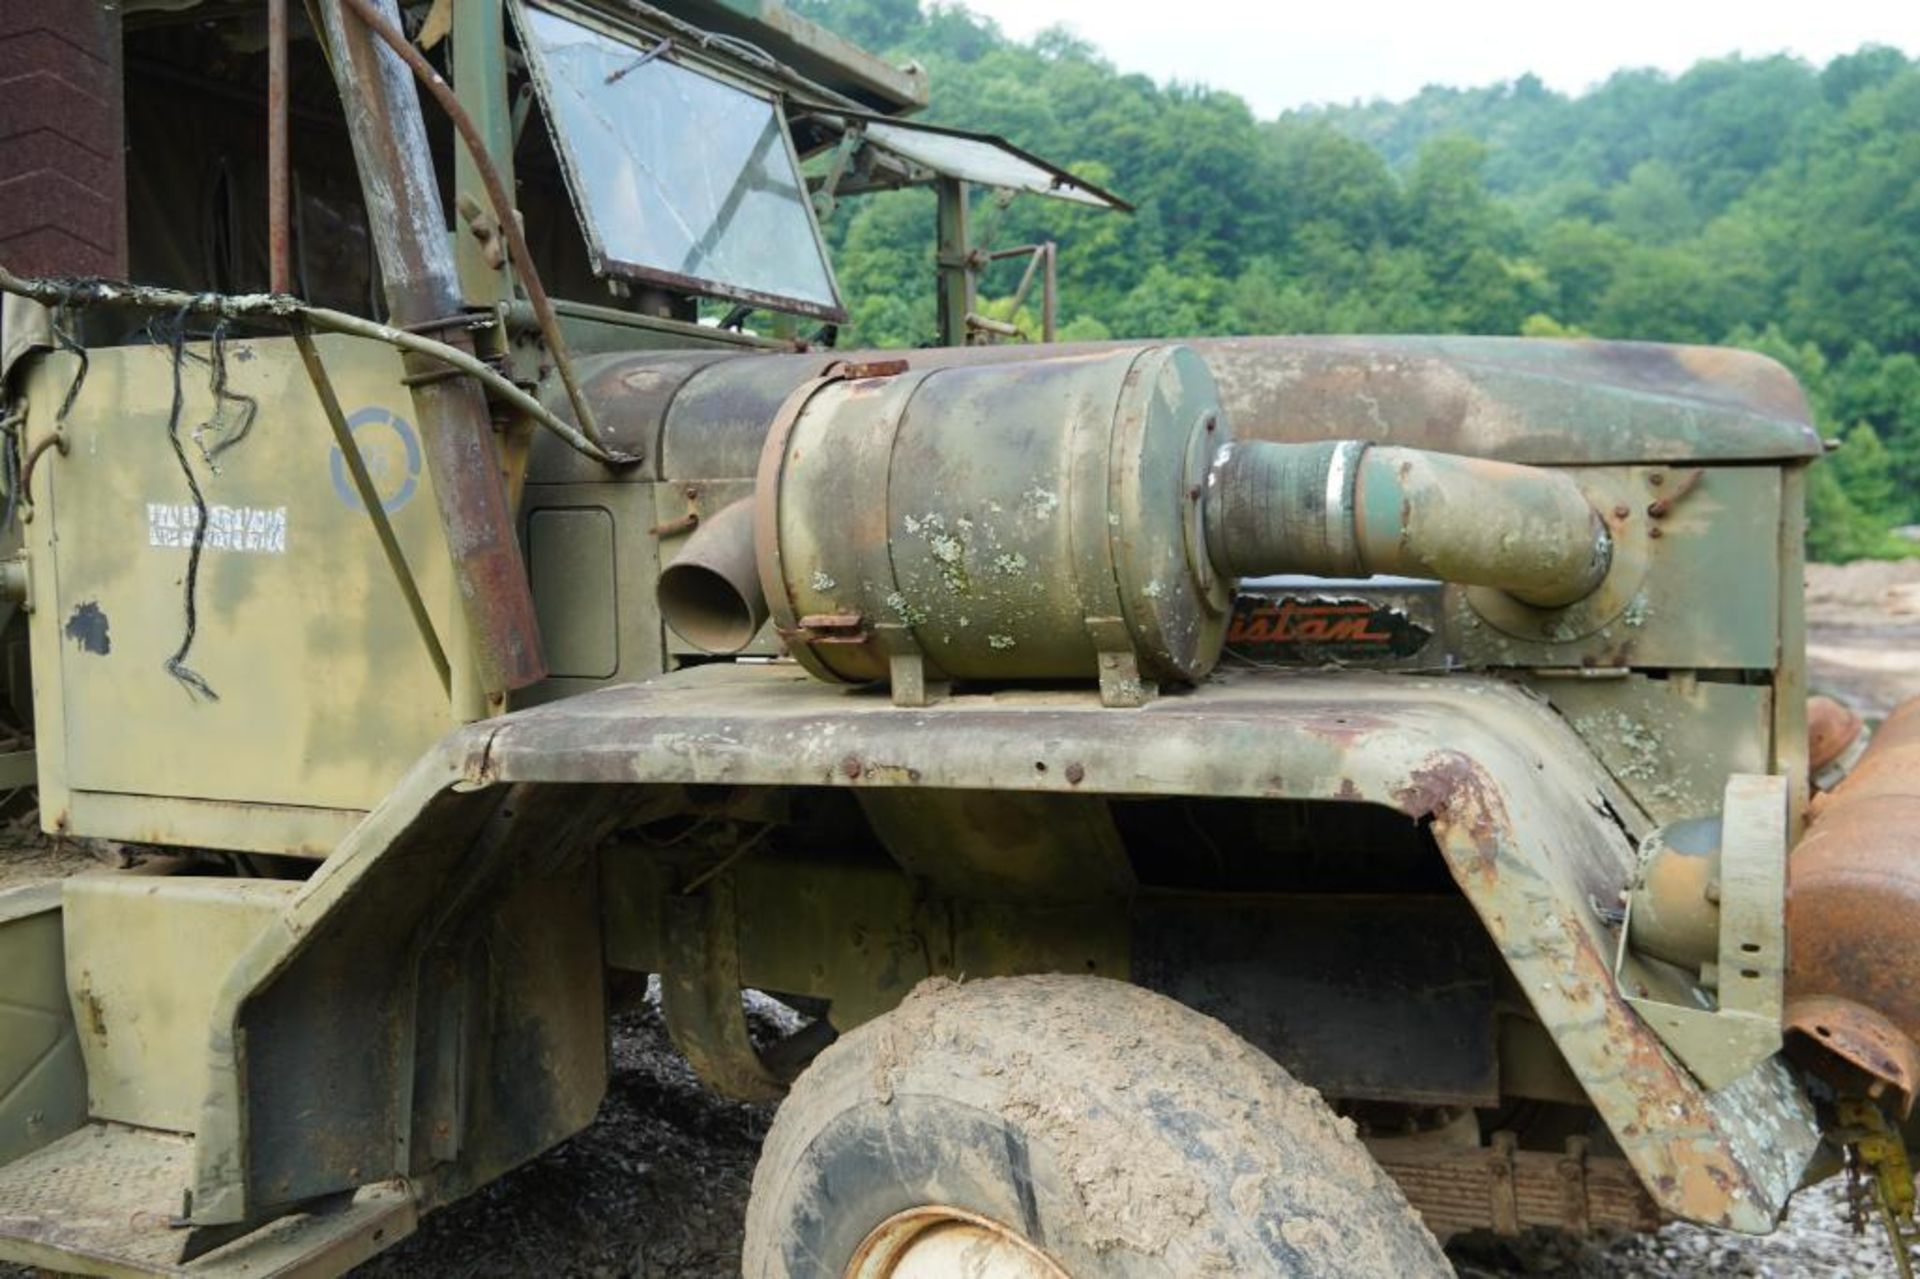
column 1085, row 515
column 1009, row 522
column 1853, row 916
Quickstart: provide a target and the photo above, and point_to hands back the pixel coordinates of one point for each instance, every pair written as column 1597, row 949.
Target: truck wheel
column 1064, row 1127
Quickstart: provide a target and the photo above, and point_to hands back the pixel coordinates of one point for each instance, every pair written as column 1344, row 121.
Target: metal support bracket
column 1121, row 683
column 700, row 995
column 1719, row 1044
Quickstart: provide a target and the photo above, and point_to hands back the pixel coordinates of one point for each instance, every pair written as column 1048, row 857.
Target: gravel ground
column 655, row 1189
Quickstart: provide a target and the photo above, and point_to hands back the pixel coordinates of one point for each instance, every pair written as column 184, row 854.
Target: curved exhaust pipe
column 1349, row 509
column 710, row 592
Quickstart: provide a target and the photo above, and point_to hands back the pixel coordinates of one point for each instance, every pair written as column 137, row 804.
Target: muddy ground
column 657, row 1187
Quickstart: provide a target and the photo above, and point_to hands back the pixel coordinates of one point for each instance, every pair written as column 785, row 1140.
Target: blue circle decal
column 390, row 448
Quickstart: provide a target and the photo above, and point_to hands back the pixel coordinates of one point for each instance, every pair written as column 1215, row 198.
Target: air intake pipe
column 1078, row 516
column 710, row 593
column 1348, row 509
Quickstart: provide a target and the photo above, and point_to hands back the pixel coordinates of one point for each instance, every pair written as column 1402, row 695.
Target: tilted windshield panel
column 986, row 160
column 680, row 178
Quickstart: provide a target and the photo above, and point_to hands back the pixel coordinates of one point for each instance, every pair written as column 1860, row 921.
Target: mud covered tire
column 1122, row 1133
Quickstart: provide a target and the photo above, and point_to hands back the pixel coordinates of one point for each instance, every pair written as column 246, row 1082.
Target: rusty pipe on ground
column 1853, row 921
column 1350, row 509
column 710, row 593
column 409, row 229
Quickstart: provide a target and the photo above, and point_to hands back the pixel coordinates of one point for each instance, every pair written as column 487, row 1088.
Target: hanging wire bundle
column 170, row 332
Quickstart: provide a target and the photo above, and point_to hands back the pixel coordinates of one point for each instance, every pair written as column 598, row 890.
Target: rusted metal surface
column 632, row 395
column 278, row 310
column 1857, row 1037
column 710, row 592
column 1676, row 911
column 700, row 995
column 812, row 59
column 1832, row 730
column 279, row 185
column 1518, row 810
column 974, row 518
column 505, row 215
column 1040, row 266
column 409, row 230
column 448, row 869
column 1720, row 1012
column 1855, row 966
column 855, row 370
column 1516, row 400
column 1891, row 764
column 1516, row 806
column 1032, row 521
column 1086, row 517
column 103, row 1201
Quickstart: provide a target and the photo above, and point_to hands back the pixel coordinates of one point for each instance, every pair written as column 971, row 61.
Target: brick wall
column 62, row 170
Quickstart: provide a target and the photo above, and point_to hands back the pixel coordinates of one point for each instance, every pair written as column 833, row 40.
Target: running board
column 103, row 1201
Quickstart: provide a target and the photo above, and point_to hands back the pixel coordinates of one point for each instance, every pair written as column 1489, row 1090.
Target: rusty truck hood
column 1546, row 402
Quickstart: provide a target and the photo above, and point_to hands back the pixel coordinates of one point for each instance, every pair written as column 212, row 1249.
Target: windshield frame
column 608, row 263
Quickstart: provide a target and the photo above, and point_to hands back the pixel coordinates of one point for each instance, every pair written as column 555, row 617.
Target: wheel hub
column 938, row 1242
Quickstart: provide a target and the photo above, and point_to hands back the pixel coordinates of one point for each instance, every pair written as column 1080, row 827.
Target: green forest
column 1763, row 203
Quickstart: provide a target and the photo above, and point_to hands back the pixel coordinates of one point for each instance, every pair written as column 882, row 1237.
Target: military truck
column 1244, row 806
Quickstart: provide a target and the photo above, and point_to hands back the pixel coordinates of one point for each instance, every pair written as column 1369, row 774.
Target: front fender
column 1527, row 820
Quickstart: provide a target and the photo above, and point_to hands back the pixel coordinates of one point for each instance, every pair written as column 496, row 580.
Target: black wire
column 222, row 396
column 65, row 341
column 11, row 464
column 176, row 665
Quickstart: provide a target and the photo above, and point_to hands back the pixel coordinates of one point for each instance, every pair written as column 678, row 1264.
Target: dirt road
column 1863, row 633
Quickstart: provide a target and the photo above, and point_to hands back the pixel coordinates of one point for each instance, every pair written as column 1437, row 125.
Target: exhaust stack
column 409, row 230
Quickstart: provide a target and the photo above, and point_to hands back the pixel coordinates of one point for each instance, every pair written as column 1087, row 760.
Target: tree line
column 1761, row 203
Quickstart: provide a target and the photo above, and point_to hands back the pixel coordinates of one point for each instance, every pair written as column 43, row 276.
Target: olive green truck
column 1244, row 806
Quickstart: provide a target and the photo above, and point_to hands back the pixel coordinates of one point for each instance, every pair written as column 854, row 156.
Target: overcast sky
column 1278, row 54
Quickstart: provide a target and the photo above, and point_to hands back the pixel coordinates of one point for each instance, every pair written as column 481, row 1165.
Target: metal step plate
column 101, row 1201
